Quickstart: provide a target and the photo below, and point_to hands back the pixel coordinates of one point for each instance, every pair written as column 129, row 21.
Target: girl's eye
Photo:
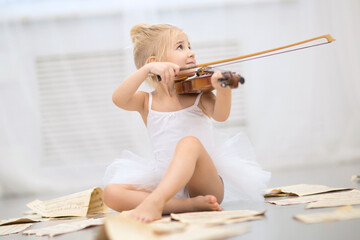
column 180, row 47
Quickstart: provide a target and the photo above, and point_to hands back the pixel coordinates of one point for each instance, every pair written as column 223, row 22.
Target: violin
column 200, row 80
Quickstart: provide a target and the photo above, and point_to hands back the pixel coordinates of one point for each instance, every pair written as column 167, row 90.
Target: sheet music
column 301, row 190
column 78, row 204
column 11, row 229
column 20, row 220
column 344, row 213
column 215, row 217
column 337, row 199
column 121, row 227
column 70, row 226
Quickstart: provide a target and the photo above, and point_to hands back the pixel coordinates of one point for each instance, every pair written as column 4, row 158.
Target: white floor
column 279, row 222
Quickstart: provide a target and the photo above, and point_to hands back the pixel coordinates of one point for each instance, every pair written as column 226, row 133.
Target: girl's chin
column 190, row 65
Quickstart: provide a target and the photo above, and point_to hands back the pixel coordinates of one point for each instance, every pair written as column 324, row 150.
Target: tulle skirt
column 234, row 159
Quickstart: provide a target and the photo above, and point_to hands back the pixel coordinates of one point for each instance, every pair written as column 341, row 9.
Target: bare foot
column 204, row 203
column 151, row 208
column 148, row 210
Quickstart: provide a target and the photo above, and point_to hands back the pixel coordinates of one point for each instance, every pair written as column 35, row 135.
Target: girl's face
column 180, row 52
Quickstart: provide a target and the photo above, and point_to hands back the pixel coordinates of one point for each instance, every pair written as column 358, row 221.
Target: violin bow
column 265, row 53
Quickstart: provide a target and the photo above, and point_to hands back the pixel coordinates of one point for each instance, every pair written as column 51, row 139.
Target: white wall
column 302, row 107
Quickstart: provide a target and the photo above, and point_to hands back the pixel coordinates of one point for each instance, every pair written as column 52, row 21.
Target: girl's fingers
column 166, row 70
column 167, row 77
column 214, row 79
column 176, row 69
column 172, row 74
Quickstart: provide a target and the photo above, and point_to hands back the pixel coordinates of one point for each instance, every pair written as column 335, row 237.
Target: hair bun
column 136, row 30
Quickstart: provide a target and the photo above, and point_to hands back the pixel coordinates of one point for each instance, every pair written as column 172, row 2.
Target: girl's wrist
column 146, row 68
column 223, row 90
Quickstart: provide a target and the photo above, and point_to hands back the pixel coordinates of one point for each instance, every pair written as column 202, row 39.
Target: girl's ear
column 151, row 59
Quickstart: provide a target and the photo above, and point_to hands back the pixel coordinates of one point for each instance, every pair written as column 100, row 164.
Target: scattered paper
column 294, row 200
column 167, row 227
column 30, row 219
column 216, row 217
column 243, row 219
column 301, row 190
column 355, row 178
column 122, row 227
column 209, row 233
column 337, row 199
column 63, row 228
column 11, row 229
column 344, row 213
column 81, row 204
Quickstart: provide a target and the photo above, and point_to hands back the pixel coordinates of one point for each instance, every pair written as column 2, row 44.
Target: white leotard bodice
column 165, row 129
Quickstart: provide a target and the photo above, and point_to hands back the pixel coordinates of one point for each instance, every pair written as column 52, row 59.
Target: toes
column 218, row 208
column 212, row 199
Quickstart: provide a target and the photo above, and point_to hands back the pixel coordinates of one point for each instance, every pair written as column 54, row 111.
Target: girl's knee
column 111, row 193
column 189, row 141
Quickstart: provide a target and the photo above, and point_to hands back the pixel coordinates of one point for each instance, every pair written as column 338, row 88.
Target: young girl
column 189, row 172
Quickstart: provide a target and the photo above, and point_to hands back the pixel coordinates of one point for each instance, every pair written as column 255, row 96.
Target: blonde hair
column 152, row 41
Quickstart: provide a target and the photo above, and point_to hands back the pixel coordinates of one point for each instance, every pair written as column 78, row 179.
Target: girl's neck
column 165, row 91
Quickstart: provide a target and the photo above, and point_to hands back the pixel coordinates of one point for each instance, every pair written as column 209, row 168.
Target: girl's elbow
column 116, row 100
column 222, row 118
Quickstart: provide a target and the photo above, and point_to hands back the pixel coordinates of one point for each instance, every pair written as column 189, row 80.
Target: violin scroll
column 231, row 79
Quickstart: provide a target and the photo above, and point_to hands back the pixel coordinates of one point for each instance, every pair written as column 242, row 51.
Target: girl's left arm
column 219, row 106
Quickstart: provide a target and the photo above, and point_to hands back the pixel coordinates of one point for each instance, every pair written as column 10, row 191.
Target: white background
column 302, row 108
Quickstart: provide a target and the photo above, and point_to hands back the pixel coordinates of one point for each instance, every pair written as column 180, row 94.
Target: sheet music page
column 97, row 204
column 214, row 217
column 344, row 213
column 20, row 220
column 77, row 204
column 167, row 227
column 355, row 178
column 121, row 227
column 203, row 232
column 70, row 226
column 302, row 190
column 11, row 229
column 294, row 200
column 337, row 199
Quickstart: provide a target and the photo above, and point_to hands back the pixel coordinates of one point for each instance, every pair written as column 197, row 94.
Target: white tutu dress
column 234, row 159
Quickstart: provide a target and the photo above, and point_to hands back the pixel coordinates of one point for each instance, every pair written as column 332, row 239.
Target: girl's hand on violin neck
column 166, row 70
column 215, row 83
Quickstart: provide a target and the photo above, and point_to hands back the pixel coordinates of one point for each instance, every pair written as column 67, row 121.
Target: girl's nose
column 191, row 53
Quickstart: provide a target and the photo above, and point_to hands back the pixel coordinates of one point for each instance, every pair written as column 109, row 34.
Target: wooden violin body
column 201, row 81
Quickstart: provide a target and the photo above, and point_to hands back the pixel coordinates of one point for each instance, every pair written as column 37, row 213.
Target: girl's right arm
column 126, row 95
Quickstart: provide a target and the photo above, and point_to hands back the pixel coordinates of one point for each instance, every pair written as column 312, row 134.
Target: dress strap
column 198, row 99
column 150, row 100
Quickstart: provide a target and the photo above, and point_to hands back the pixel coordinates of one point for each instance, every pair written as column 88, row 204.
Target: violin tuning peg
column 242, row 80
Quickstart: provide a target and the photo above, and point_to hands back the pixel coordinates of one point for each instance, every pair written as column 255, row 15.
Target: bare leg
column 191, row 166
column 125, row 197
